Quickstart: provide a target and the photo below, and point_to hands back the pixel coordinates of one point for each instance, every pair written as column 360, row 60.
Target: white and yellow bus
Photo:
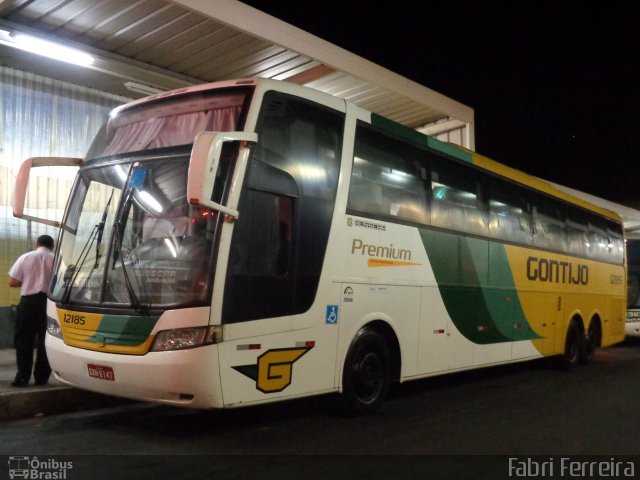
column 252, row 241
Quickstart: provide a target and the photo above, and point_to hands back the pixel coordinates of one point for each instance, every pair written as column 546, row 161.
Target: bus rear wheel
column 591, row 343
column 574, row 347
column 366, row 375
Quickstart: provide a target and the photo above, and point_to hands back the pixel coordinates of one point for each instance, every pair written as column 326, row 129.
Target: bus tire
column 591, row 343
column 367, row 373
column 573, row 347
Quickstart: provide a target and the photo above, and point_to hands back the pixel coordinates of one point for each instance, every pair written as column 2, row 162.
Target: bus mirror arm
column 22, row 182
column 203, row 167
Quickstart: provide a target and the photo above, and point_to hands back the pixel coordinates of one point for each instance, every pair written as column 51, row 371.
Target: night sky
column 555, row 86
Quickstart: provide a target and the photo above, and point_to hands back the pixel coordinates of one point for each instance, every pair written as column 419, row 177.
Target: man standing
column 32, row 273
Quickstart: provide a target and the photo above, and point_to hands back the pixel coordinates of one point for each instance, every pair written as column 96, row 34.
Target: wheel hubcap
column 368, row 376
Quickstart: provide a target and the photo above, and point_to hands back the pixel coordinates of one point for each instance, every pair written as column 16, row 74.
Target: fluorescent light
column 150, row 201
column 397, row 176
column 170, row 246
column 140, row 88
column 121, row 172
column 45, row 48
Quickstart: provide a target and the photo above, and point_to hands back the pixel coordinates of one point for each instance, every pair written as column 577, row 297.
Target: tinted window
column 599, row 240
column 616, row 236
column 548, row 223
column 388, row 179
column 509, row 218
column 455, row 202
column 577, row 232
column 280, row 238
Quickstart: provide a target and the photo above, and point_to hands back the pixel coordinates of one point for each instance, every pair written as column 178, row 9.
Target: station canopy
column 145, row 46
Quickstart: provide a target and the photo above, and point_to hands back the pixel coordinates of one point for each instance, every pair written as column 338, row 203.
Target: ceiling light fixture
column 45, row 48
column 140, row 88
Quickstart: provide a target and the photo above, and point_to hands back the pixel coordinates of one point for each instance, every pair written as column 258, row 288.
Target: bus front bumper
column 187, row 378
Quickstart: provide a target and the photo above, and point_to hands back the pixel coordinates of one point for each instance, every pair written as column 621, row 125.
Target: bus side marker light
column 249, row 346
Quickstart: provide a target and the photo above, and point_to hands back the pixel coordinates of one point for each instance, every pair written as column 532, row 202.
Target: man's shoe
column 19, row 382
column 41, row 382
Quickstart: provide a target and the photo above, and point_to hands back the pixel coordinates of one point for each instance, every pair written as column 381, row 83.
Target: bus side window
column 509, row 218
column 616, row 238
column 598, row 239
column 549, row 229
column 455, row 202
column 577, row 234
column 387, row 180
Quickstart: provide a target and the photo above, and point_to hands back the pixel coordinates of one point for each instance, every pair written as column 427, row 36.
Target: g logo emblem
column 274, row 370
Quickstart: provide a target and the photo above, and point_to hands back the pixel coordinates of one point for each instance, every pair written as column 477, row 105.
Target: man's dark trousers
column 31, row 328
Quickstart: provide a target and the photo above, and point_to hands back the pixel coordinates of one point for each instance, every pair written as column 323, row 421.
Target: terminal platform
column 35, row 401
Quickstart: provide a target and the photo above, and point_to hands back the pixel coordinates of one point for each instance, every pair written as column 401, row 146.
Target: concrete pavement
column 53, row 398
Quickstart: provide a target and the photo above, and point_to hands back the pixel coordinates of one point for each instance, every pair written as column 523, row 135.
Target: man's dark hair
column 45, row 241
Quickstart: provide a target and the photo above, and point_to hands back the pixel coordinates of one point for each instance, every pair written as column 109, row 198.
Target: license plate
column 101, row 372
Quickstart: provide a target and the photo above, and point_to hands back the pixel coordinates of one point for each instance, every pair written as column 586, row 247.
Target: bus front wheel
column 366, row 375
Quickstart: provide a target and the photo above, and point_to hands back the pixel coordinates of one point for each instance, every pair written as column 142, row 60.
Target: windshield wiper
column 135, row 301
column 75, row 267
column 100, row 228
column 96, row 233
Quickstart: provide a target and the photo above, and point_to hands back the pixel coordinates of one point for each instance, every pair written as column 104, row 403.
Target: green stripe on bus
column 502, row 296
column 478, row 291
column 420, row 138
column 124, row 330
column 450, row 150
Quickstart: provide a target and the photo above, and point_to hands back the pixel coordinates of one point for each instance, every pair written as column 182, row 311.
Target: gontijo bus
column 251, row 241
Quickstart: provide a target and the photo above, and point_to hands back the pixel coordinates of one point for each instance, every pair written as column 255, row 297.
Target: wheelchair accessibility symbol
column 332, row 315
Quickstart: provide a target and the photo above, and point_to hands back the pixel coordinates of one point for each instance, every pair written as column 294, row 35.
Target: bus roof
column 490, row 165
column 449, row 149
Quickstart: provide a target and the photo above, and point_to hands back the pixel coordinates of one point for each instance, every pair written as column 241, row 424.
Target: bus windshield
column 130, row 238
column 167, row 124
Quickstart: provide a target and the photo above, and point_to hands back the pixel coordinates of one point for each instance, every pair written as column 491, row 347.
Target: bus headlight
column 181, row 338
column 53, row 327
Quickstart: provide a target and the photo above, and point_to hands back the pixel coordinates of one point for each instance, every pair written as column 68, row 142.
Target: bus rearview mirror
column 204, row 164
column 22, row 182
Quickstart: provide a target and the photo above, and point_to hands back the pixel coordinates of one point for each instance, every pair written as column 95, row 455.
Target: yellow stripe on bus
column 381, row 262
